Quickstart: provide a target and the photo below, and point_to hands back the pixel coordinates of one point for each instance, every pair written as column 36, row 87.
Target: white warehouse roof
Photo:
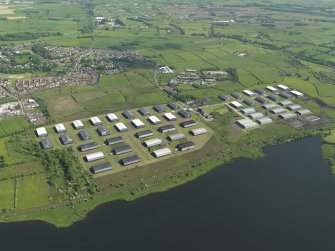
column 162, row 152
column 137, row 123
column 121, row 126
column 249, row 93
column 78, row 124
column 236, row 104
column 153, row 142
column 283, row 87
column 94, row 156
column 60, row 128
column 112, row 117
column 169, row 116
column 272, row 89
column 154, row 120
column 95, row 120
column 41, row 131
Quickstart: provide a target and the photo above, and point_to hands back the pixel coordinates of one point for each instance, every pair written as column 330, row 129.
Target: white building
column 297, row 94
column 161, row 152
column 154, row 120
column 94, row 156
column 60, row 128
column 95, row 121
column 198, row 131
column 153, row 142
column 236, row 105
column 283, row 87
column 137, row 123
column 249, row 93
column 41, row 132
column 169, row 116
column 121, row 127
column 271, row 89
column 77, row 124
column 112, row 117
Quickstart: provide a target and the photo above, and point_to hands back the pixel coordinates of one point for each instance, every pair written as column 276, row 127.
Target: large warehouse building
column 77, row 124
column 154, row 120
column 87, row 147
column 112, row 117
column 41, row 132
column 94, row 156
column 121, row 127
column 60, row 128
column 152, row 142
column 198, row 131
column 161, row 152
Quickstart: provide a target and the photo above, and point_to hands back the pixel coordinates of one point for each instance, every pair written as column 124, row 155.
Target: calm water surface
column 284, row 201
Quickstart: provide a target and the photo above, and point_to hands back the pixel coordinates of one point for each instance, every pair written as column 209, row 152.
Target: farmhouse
column 137, row 123
column 285, row 95
column 41, row 132
column 188, row 123
column 186, row 146
column 248, row 111
column 103, row 131
column 294, row 107
column 143, row 111
column 236, row 95
column 236, row 105
column 65, row 139
column 84, row 135
column 246, row 123
column 184, row 114
column 166, row 128
column 60, row 128
column 112, row 117
column 161, row 152
column 224, row 98
column 173, row 106
column 121, row 127
column 103, row 167
column 283, row 87
column 297, row 94
column 114, row 140
column 130, row 160
column 169, row 116
column 46, row 143
column 176, row 136
column 154, row 120
column 285, row 103
column 249, row 93
column 287, row 115
column 273, row 98
column 271, row 89
column 95, row 121
column 122, row 150
column 303, row 112
column 77, row 124
column 260, row 91
column 261, row 100
column 277, row 110
column 144, row 134
column 198, row 131
column 158, row 108
column 264, row 121
column 256, row 115
column 249, row 102
column 87, row 147
column 270, row 106
column 128, row 115
column 153, row 142
column 94, row 156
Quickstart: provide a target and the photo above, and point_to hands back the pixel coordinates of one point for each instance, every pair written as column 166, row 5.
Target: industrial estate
column 102, row 100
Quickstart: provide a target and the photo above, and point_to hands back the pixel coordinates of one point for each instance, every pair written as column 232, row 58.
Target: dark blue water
column 284, row 201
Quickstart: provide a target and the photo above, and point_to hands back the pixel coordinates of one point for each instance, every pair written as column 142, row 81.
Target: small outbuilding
column 236, row 95
column 273, row 97
column 294, row 107
column 287, row 115
column 161, row 152
column 277, row 110
column 224, row 98
column 112, row 117
column 303, row 112
column 188, row 123
column 41, row 132
column 143, row 111
column 198, row 131
column 236, row 105
column 166, row 128
column 169, row 116
column 94, row 156
column 95, row 121
column 285, row 102
column 264, row 121
column 256, row 115
column 137, row 123
column 248, row 111
column 260, row 91
column 246, row 123
column 128, row 115
column 270, row 106
column 103, row 131
column 152, row 142
column 249, row 102
column 261, row 100
column 297, row 94
column 184, row 114
column 249, row 93
column 158, row 108
column 285, row 95
column 271, row 89
column 283, row 87
column 173, row 106
column 176, row 136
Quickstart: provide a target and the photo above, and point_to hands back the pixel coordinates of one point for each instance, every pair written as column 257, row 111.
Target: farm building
column 121, row 127
column 173, row 106
column 184, row 114
column 153, row 142
column 236, row 105
column 130, row 160
column 188, row 123
column 271, row 89
column 285, row 95
column 60, row 128
column 248, row 111
column 94, row 156
column 246, row 123
column 114, row 140
column 224, row 98
column 88, row 147
column 261, row 100
column 154, row 120
column 285, row 103
column 65, row 139
column 249, row 102
column 84, row 135
column 287, row 115
column 297, row 94
column 143, row 111
column 95, row 121
column 166, row 128
column 112, row 117
column 260, row 91
column 158, row 108
column 103, row 131
column 143, row 134
column 273, row 98
column 264, row 121
column 236, row 95
column 270, row 106
column 103, row 167
column 169, row 116
column 137, row 123
column 303, row 112
column 41, row 132
column 249, row 93
column 128, row 115
column 277, row 110
column 294, row 107
column 161, row 152
column 256, row 115
column 198, row 131
column 186, row 146
column 176, row 136
column 46, row 143
column 122, row 150
column 283, row 87
column 77, row 124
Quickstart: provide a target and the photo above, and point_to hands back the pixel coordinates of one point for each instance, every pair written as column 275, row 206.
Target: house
column 130, row 160
column 144, row 134
column 154, row 120
column 122, row 150
column 60, row 128
column 184, row 114
column 158, row 108
column 87, row 147
column 173, row 106
column 198, row 131
column 95, row 121
column 189, row 145
column 188, row 123
column 166, row 128
column 169, row 116
column 103, row 167
column 153, row 142
column 65, row 139
column 103, row 131
column 46, row 143
column 128, row 115
column 84, row 135
column 77, row 124
column 112, row 117
column 161, row 152
column 143, row 111
column 114, row 140
column 121, row 127
column 94, row 156
column 41, row 132
column 137, row 123
column 176, row 136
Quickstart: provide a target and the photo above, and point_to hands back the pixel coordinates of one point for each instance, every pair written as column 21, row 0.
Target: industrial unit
column 94, row 156
column 270, row 106
column 166, row 128
column 77, row 124
column 273, row 98
column 294, row 107
column 103, row 167
column 41, row 132
column 248, row 111
column 236, row 105
column 65, row 139
column 137, row 123
column 84, row 135
column 271, row 89
column 114, row 140
column 95, row 121
column 249, row 102
column 112, row 117
column 277, row 110
column 169, row 116
column 198, row 131
column 184, row 114
column 189, row 145
column 143, row 111
column 60, row 128
column 121, row 127
column 152, row 142
column 154, row 120
column 261, row 100
column 246, row 123
column 130, row 160
column 285, row 103
column 144, row 134
column 264, row 121
column 188, row 123
column 158, row 108
column 297, row 94
column 46, row 143
column 87, row 147
column 128, row 115
column 161, row 152
column 176, row 136
column 236, row 95
column 256, row 115
column 122, row 150
column 173, row 106
column 224, row 98
column 260, row 91
column 249, row 93
column 287, row 115
column 103, row 131
column 303, row 112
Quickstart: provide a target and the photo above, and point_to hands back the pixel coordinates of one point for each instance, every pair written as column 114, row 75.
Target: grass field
column 13, row 125
column 330, row 138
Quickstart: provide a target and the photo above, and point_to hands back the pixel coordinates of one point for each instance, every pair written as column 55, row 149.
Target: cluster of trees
column 19, row 36
column 328, row 152
column 2, row 162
